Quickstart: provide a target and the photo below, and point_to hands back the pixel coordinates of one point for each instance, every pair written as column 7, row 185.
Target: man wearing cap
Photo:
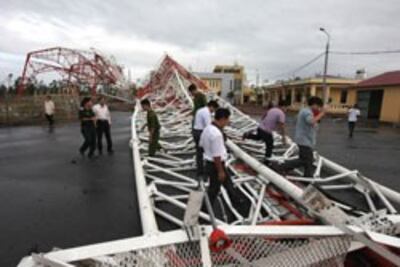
column 153, row 125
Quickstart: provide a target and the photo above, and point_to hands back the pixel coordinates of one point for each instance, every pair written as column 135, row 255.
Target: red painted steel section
column 74, row 66
column 159, row 78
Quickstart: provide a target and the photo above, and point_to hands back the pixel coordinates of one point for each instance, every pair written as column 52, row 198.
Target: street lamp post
column 324, row 86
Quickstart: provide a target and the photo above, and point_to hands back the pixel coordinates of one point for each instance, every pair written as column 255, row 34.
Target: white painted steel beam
column 148, row 220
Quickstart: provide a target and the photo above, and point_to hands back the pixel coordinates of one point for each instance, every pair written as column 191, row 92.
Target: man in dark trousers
column 103, row 125
column 353, row 114
column 202, row 119
column 153, row 125
column 88, row 127
column 49, row 110
column 212, row 141
column 305, row 136
column 199, row 99
column 274, row 119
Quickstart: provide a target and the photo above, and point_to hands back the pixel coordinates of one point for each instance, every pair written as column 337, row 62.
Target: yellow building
column 379, row 97
column 296, row 92
column 214, row 84
column 239, row 81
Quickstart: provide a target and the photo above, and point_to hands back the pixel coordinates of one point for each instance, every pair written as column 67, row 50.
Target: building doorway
column 288, row 100
column 370, row 103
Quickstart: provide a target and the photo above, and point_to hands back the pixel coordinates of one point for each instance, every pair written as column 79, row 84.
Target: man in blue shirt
column 305, row 137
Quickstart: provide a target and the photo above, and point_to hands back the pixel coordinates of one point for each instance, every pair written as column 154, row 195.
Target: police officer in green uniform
column 88, row 127
column 199, row 99
column 153, row 125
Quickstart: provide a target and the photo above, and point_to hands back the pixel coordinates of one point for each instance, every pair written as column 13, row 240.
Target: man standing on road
column 273, row 120
column 49, row 110
column 103, row 125
column 153, row 125
column 201, row 120
column 88, row 127
column 305, row 137
column 353, row 114
column 212, row 141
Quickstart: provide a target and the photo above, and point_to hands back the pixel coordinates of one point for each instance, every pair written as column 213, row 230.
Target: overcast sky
column 272, row 36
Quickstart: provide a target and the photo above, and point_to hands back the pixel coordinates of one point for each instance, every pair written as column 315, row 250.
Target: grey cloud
column 272, row 36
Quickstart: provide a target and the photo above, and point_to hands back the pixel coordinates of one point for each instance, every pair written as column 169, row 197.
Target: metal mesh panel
column 184, row 254
column 245, row 251
column 259, row 251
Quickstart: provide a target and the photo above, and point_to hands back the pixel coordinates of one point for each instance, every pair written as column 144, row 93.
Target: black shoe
column 278, row 168
column 110, row 151
column 82, row 153
column 267, row 163
column 100, row 152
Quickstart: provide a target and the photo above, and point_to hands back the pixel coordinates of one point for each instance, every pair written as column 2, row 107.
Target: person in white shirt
column 353, row 114
column 49, row 110
column 201, row 120
column 103, row 125
column 212, row 141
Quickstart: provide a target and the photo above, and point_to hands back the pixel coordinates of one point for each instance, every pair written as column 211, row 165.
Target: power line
column 308, row 63
column 378, row 52
column 396, row 51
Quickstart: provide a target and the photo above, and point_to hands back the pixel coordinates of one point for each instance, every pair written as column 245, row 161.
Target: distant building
column 219, row 83
column 296, row 92
column 361, row 74
column 239, row 79
column 379, row 97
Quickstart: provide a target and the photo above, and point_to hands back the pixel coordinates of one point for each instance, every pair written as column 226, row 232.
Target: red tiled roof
column 385, row 79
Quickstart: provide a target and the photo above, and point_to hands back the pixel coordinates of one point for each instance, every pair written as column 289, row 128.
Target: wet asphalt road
column 375, row 152
column 46, row 201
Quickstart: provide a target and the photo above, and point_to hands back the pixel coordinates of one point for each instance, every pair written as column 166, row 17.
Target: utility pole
column 324, row 86
column 9, row 81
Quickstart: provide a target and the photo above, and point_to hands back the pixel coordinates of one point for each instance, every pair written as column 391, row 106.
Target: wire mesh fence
column 244, row 251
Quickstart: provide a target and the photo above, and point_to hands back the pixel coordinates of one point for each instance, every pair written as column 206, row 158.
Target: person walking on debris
column 88, row 127
column 103, row 125
column 201, row 120
column 353, row 114
column 273, row 119
column 199, row 99
column 212, row 141
column 49, row 110
column 305, row 136
column 153, row 125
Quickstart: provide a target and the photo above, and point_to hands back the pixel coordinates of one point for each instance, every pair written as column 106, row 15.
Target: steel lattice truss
column 326, row 227
column 89, row 68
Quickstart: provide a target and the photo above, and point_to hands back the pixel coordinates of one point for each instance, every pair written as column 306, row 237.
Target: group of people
column 209, row 138
column 95, row 122
column 208, row 134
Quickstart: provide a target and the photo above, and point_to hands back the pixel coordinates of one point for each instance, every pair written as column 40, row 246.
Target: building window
column 238, row 84
column 298, row 97
column 343, row 96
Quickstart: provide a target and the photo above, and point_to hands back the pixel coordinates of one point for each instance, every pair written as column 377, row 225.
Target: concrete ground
column 48, row 201
column 375, row 152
